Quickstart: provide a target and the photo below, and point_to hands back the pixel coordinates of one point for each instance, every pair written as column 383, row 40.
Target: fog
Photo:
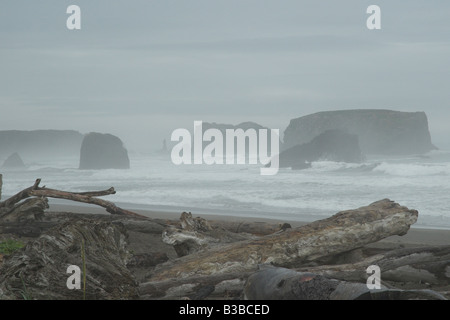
column 140, row 69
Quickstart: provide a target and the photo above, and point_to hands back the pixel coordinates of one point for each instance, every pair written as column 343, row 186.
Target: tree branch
column 85, row 197
column 20, row 196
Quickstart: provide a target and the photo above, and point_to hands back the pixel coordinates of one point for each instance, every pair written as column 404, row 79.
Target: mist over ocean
column 154, row 182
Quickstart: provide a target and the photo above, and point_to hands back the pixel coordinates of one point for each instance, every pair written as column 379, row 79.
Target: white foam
column 324, row 189
column 414, row 169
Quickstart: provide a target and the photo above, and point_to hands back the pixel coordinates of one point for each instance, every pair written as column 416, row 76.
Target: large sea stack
column 383, row 132
column 103, row 151
column 331, row 145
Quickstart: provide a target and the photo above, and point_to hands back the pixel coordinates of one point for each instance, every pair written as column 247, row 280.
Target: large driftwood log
column 30, row 209
column 342, row 232
column 41, row 267
column 416, row 265
column 281, row 284
column 223, row 286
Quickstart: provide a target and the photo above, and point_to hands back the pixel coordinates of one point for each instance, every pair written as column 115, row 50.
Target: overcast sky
column 140, row 69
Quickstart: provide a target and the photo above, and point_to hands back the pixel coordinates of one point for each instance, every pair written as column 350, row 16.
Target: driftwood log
column 282, row 284
column 415, row 267
column 342, row 232
column 12, row 204
column 427, row 264
column 40, row 269
column 221, row 286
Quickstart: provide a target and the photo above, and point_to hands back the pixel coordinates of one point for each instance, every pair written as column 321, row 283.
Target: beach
column 167, row 254
column 415, row 236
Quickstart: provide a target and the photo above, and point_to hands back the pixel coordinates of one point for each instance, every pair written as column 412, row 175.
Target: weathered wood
column 26, row 229
column 281, row 284
column 196, row 234
column 149, row 252
column 189, row 223
column 28, row 210
column 41, row 266
column 8, row 203
column 228, row 285
column 419, row 265
column 342, row 232
column 109, row 206
column 94, row 193
column 257, row 228
column 85, row 197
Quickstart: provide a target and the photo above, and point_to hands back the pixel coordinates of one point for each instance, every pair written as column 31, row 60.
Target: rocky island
column 331, row 145
column 14, row 161
column 384, row 132
column 103, row 151
column 95, row 150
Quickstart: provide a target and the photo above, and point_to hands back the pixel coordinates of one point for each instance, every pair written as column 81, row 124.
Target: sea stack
column 14, row 161
column 103, row 151
column 331, row 145
column 383, row 132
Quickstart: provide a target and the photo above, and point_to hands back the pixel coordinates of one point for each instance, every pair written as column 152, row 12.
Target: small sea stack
column 103, row 151
column 14, row 161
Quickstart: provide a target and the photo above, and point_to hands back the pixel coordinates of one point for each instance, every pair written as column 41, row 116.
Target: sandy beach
column 415, row 236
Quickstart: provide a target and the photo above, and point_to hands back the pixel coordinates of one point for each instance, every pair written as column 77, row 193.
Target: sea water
column 153, row 182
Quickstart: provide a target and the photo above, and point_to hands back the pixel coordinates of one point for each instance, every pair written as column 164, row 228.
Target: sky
column 140, row 69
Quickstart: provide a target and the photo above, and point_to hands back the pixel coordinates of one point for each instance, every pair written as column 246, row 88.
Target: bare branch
column 85, row 197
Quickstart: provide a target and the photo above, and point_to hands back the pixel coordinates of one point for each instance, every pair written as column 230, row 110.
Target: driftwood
column 342, row 232
column 85, row 197
column 222, row 286
column 197, row 234
column 197, row 224
column 417, row 268
column 418, row 265
column 41, row 267
column 281, row 284
column 19, row 196
column 197, row 259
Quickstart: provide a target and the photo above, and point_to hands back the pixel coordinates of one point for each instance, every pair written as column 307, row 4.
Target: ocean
column 155, row 183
